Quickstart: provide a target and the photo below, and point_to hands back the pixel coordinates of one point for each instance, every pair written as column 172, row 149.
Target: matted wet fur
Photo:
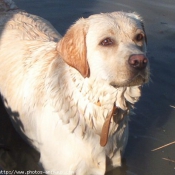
column 59, row 91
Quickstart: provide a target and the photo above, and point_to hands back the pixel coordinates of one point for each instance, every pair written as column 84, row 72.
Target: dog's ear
column 72, row 47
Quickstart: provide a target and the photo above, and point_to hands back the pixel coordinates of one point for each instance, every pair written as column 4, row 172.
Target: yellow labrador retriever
column 70, row 97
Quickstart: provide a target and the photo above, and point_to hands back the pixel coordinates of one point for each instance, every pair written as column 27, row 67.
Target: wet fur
column 51, row 87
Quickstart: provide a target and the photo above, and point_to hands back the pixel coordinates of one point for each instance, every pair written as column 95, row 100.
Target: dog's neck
column 87, row 102
column 100, row 98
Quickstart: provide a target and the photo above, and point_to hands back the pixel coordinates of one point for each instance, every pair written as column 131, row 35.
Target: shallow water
column 153, row 124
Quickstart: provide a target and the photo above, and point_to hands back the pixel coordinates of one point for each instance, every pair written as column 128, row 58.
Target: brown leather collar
column 106, row 126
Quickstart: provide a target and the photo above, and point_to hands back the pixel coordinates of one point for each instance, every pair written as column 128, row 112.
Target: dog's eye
column 107, row 42
column 139, row 37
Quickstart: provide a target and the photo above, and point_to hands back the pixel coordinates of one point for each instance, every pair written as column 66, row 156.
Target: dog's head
column 109, row 46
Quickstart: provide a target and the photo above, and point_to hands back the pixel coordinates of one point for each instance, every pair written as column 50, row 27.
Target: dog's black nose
column 138, row 61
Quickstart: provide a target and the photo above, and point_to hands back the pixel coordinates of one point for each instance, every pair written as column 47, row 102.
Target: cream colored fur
column 51, row 87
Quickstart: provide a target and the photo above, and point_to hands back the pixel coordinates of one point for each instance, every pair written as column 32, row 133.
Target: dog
column 69, row 97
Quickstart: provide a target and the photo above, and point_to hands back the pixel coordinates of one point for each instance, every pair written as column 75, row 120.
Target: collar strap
column 106, row 126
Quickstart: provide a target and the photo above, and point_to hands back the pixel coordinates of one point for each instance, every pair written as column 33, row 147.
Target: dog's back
column 29, row 27
column 21, row 34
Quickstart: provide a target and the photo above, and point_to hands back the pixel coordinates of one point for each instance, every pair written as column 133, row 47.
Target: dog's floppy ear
column 72, row 47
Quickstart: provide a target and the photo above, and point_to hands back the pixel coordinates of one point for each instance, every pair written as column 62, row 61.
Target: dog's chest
column 85, row 103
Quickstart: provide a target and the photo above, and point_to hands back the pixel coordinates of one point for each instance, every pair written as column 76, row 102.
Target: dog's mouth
column 139, row 79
